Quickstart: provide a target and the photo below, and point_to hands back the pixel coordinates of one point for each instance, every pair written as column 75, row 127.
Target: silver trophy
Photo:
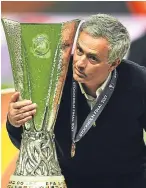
column 39, row 55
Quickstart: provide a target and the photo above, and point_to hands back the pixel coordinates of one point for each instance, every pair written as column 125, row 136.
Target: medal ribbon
column 95, row 112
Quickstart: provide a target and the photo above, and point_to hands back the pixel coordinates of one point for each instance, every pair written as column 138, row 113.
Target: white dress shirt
column 91, row 100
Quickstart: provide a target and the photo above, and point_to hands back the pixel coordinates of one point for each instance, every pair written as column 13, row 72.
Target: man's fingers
column 28, row 108
column 21, row 104
column 15, row 97
column 23, row 121
column 19, row 112
column 25, row 115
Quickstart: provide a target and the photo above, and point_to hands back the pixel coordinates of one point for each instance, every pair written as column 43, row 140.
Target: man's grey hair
column 108, row 27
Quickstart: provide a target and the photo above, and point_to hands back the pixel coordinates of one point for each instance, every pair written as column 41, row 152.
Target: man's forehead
column 91, row 47
column 97, row 46
column 85, row 46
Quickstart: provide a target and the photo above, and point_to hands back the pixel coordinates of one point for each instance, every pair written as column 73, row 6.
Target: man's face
column 90, row 62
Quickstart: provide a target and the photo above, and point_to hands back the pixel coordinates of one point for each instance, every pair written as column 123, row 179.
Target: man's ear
column 114, row 65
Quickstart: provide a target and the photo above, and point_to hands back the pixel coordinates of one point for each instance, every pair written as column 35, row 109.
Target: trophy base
column 36, row 182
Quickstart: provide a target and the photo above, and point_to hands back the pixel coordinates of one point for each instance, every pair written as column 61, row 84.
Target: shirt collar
column 98, row 91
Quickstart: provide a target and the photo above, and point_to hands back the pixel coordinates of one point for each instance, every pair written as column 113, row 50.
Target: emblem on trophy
column 39, row 55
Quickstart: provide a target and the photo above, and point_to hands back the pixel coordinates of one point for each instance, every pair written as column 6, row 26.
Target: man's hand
column 19, row 112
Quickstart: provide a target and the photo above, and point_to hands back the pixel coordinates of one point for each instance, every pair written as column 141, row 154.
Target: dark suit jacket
column 138, row 51
column 112, row 153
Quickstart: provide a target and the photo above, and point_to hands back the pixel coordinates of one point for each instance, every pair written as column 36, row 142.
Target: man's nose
column 82, row 62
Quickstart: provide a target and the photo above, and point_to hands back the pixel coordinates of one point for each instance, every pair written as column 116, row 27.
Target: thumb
column 15, row 97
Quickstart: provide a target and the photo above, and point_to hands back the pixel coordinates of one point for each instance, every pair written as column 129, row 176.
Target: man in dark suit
column 105, row 150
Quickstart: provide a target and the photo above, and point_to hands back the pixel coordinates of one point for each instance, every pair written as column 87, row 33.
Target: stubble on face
column 90, row 60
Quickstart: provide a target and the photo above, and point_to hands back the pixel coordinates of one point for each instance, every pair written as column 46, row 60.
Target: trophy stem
column 37, row 165
column 37, row 155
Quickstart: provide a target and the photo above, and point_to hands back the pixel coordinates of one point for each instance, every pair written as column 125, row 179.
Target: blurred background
column 131, row 14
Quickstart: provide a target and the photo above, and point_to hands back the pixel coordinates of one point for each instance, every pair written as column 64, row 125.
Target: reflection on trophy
column 39, row 55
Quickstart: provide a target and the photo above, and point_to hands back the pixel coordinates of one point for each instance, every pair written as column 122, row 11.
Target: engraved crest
column 41, row 46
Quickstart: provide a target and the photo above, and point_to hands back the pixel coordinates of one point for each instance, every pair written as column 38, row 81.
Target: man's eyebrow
column 88, row 54
column 79, row 45
column 92, row 54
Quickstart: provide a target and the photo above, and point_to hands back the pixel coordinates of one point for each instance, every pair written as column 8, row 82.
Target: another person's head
column 102, row 43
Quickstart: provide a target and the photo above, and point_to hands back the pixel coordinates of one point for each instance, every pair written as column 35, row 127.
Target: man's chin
column 78, row 79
